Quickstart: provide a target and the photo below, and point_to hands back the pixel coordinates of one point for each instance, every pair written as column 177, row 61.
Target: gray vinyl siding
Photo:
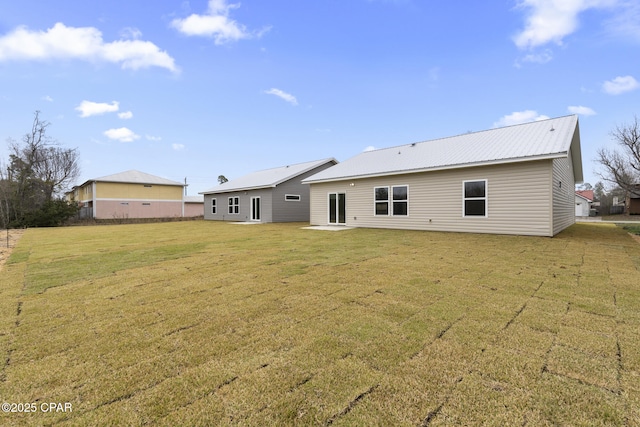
column 518, row 198
column 274, row 207
column 244, row 205
column 290, row 211
column 564, row 207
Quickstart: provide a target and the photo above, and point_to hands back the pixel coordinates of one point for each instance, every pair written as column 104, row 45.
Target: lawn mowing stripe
column 351, row 405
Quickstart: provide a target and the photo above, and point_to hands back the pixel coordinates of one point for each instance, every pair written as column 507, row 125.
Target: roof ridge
column 411, row 144
column 294, row 164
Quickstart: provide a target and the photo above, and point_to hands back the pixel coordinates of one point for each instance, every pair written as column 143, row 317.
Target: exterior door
column 255, row 209
column 337, row 208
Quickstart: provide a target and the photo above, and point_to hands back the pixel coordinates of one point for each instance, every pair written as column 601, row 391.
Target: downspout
column 93, row 199
column 184, row 194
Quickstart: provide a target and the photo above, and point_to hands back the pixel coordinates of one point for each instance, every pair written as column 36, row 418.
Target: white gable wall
column 519, row 200
column 582, row 206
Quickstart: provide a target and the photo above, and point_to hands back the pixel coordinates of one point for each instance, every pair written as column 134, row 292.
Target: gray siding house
column 512, row 180
column 272, row 195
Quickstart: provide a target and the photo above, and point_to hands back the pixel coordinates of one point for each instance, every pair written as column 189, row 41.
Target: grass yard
column 207, row 323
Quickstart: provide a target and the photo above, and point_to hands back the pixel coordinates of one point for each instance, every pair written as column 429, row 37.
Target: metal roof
column 137, row 177
column 267, row 178
column 550, row 138
column 193, row 199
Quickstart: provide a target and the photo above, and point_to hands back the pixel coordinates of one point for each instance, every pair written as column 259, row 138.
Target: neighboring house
column 130, row 194
column 272, row 195
column 584, row 199
column 633, row 200
column 193, row 206
column 512, row 180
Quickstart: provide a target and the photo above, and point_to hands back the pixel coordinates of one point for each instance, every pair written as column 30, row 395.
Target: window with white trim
column 381, row 200
column 234, row 205
column 394, row 202
column 292, row 197
column 474, row 198
column 400, row 200
column 214, row 207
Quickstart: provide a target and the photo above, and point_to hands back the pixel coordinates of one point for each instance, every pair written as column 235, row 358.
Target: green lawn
column 207, row 323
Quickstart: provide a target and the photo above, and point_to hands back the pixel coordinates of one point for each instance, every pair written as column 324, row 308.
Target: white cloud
column 283, row 95
column 215, row 23
column 125, row 115
column 47, row 98
column 579, row 109
column 121, row 134
column 88, row 108
column 552, row 20
column 153, row 138
column 177, row 147
column 620, row 85
column 519, row 117
column 536, row 58
column 130, row 33
column 83, row 43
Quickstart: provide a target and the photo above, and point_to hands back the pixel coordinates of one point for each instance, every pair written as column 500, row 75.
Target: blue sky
column 201, row 88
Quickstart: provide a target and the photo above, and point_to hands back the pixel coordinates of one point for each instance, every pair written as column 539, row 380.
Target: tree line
column 619, row 166
column 34, row 178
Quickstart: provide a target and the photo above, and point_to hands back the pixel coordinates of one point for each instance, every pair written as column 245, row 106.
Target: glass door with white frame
column 255, row 209
column 337, row 208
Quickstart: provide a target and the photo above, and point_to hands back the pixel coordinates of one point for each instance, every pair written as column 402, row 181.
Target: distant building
column 633, row 200
column 193, row 206
column 584, row 201
column 130, row 194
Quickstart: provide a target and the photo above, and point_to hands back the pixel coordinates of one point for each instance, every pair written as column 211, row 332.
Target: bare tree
column 621, row 166
column 41, row 158
column 38, row 172
column 222, row 179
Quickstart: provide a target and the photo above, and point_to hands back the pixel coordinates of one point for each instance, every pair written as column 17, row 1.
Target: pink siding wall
column 193, row 209
column 110, row 209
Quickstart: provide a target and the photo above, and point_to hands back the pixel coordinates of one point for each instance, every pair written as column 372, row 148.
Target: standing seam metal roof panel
column 136, row 177
column 267, row 178
column 542, row 139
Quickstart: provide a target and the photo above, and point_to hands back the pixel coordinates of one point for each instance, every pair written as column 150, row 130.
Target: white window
column 292, row 197
column 234, row 205
column 381, row 200
column 401, row 200
column 474, row 198
column 214, row 207
column 394, row 202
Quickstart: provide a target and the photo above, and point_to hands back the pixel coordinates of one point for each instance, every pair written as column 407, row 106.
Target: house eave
column 235, row 190
column 439, row 168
